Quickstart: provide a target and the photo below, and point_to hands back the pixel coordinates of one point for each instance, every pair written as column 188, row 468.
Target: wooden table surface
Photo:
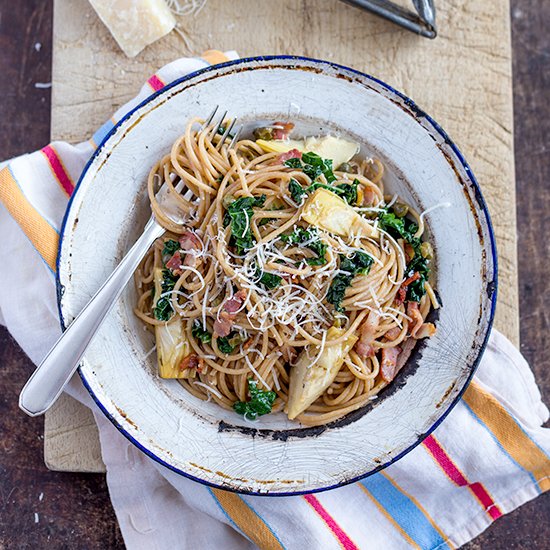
column 40, row 507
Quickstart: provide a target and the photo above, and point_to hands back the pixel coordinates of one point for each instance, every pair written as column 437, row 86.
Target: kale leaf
column 359, row 263
column 261, row 402
column 348, row 191
column 404, row 228
column 200, row 333
column 297, row 192
column 313, row 166
column 228, row 344
column 163, row 308
column 224, row 346
column 293, row 163
column 302, row 236
column 170, row 247
column 270, row 280
column 239, row 213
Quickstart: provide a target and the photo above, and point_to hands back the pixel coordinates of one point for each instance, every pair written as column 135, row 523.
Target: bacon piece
column 283, row 129
column 364, row 350
column 190, row 260
column 224, row 322
column 190, row 361
column 369, row 196
column 174, row 263
column 393, row 333
column 426, row 330
column 223, row 325
column 234, row 304
column 292, row 154
column 190, row 241
column 402, row 292
column 414, row 313
column 388, row 366
column 367, row 331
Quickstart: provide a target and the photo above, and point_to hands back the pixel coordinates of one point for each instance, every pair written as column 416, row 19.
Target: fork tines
column 213, row 128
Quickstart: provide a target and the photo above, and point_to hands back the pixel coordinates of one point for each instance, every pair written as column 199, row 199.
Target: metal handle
column 48, row 380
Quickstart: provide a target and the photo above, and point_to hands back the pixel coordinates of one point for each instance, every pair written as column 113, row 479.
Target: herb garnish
column 239, row 213
column 405, row 228
column 261, row 402
column 359, row 263
column 302, row 236
column 163, row 309
column 200, row 333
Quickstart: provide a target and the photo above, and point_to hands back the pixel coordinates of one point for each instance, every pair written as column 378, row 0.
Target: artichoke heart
column 172, row 344
column 280, row 145
column 307, row 381
column 328, row 147
column 327, row 211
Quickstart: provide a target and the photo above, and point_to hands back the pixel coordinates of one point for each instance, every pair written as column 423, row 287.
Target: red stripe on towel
column 59, row 171
column 455, row 475
column 156, row 83
column 343, row 539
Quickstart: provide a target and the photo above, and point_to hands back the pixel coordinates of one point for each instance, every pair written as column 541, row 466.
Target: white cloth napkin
column 488, row 457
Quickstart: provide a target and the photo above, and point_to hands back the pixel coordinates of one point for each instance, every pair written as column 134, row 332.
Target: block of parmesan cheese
column 135, row 24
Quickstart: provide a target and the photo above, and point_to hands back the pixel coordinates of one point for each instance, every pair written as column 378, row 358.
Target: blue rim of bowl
column 479, row 199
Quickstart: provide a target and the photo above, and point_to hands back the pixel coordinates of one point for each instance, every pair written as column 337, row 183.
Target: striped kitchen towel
column 487, row 458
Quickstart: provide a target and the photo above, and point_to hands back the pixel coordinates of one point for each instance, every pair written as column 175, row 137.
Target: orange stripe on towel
column 41, row 234
column 214, row 57
column 509, row 434
column 247, row 520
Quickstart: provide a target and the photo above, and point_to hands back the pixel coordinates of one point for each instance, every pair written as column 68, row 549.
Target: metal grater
column 421, row 21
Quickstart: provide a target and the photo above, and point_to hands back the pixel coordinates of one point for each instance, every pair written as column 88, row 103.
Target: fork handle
column 48, row 380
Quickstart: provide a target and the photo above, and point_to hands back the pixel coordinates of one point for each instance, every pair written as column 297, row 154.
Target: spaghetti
column 291, row 285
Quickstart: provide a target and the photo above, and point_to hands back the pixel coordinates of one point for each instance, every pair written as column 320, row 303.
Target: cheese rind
column 135, row 24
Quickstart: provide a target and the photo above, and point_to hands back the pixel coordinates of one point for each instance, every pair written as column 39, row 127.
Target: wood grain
column 38, row 508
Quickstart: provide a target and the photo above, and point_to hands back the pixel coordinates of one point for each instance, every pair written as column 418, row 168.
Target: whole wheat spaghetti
column 293, row 284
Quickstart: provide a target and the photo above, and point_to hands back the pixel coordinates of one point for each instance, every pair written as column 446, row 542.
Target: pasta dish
column 295, row 284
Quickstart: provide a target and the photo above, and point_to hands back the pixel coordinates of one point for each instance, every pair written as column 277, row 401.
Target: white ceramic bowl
column 275, row 456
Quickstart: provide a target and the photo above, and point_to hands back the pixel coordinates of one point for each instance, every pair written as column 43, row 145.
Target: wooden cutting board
column 463, row 79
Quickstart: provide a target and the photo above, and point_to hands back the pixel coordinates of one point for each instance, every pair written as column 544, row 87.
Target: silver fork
column 48, row 380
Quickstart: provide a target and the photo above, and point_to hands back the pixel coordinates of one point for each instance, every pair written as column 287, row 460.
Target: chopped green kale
column 200, row 333
column 359, row 263
column 261, row 402
column 270, row 280
column 405, row 228
column 170, row 247
column 163, row 309
column 309, row 239
column 239, row 213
